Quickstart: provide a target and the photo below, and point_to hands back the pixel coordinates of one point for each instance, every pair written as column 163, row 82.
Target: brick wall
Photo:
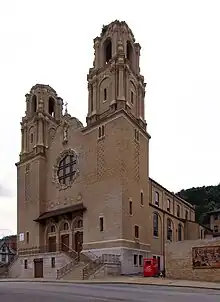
column 179, row 261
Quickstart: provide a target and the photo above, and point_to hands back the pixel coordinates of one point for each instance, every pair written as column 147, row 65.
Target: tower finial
column 66, row 109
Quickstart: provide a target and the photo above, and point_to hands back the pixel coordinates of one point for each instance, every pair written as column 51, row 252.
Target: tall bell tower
column 115, row 82
column 42, row 116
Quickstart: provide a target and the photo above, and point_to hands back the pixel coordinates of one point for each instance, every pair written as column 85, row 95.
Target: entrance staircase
column 87, row 265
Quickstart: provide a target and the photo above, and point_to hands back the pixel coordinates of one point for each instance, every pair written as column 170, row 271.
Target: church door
column 52, row 244
column 38, row 268
column 65, row 243
column 78, row 242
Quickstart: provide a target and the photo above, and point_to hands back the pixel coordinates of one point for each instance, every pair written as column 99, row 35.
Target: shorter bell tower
column 115, row 81
column 43, row 112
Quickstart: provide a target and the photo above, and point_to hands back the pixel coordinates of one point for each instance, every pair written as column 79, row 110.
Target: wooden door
column 52, row 244
column 38, row 268
column 65, row 242
column 78, row 242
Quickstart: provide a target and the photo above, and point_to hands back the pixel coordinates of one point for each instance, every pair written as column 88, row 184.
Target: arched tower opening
column 108, row 50
column 51, row 107
column 129, row 51
column 33, row 104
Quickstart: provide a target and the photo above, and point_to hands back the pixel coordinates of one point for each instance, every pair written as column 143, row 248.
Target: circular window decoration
column 66, row 169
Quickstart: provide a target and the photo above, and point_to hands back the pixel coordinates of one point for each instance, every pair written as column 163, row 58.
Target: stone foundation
column 18, row 270
column 126, row 257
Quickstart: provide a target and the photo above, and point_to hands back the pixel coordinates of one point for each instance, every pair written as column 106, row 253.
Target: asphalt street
column 61, row 292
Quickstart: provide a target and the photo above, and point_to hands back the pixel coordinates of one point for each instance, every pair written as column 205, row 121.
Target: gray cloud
column 4, row 192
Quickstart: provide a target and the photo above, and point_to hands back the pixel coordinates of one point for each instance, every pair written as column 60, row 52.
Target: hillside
column 204, row 198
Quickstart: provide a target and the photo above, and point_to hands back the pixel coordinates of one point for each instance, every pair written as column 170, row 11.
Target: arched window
column 79, row 224
column 169, row 230
column 129, row 51
column 66, row 226
column 108, row 50
column 155, row 225
column 180, row 232
column 67, row 169
column 51, row 107
column 34, row 104
column 52, row 229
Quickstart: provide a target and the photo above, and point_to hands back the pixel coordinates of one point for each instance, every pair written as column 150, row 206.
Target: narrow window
column 34, row 104
column 108, row 50
column 140, row 260
column 135, row 260
column 178, row 211
column 155, row 225
column 79, row 224
column 132, row 97
column 169, row 230
column 168, row 205
column 129, row 51
column 130, row 208
column 157, row 198
column 53, row 262
column 186, row 215
column 100, row 132
column 136, row 231
column 65, row 227
column 103, row 130
column 179, row 232
column 101, row 224
column 142, row 198
column 52, row 229
column 27, row 237
column 32, row 137
column 51, row 107
column 105, row 95
column 25, row 264
column 136, row 135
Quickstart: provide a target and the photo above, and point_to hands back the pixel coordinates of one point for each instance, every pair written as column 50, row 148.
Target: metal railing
column 96, row 264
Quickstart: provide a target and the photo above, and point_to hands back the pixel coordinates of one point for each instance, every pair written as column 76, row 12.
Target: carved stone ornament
column 62, row 155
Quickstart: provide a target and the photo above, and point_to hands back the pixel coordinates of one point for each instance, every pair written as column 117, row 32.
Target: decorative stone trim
column 56, row 167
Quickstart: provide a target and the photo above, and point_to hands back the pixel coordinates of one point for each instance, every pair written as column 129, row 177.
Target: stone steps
column 76, row 273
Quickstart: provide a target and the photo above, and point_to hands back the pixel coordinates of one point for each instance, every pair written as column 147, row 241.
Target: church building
column 85, row 190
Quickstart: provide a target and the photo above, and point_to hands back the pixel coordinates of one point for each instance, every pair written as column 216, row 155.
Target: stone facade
column 97, row 174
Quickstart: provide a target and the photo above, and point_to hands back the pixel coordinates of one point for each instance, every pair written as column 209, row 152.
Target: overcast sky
column 51, row 42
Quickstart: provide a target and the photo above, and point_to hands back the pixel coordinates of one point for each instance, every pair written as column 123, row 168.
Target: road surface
column 61, row 292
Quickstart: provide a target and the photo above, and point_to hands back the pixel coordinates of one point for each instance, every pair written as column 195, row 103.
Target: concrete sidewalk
column 130, row 280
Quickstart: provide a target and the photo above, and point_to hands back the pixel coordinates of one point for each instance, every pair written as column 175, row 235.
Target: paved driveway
column 61, row 292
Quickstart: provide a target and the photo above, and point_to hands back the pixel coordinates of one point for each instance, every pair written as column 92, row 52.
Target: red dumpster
column 150, row 267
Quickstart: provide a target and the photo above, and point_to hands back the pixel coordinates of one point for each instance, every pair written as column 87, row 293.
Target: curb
column 110, row 282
